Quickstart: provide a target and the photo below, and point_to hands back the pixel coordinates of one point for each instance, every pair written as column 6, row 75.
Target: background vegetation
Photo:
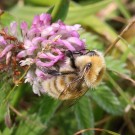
column 111, row 106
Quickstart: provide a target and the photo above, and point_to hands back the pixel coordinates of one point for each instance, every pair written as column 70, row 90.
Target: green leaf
column 31, row 126
column 19, row 93
column 45, row 108
column 120, row 90
column 49, row 11
column 86, row 2
column 84, row 114
column 116, row 65
column 7, row 131
column 92, row 41
column 60, row 10
column 3, row 110
column 6, row 19
column 107, row 100
column 5, row 87
column 41, row 2
column 102, row 28
column 27, row 13
column 78, row 13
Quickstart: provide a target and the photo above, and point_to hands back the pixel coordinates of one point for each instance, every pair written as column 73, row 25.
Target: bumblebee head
column 93, row 65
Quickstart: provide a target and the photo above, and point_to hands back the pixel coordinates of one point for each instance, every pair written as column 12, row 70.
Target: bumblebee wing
column 77, row 94
column 77, row 87
column 64, row 105
column 74, row 89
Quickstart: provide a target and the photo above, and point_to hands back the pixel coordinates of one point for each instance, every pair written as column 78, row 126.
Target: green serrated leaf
column 45, row 108
column 5, row 86
column 92, row 41
column 84, row 114
column 60, row 10
column 107, row 100
column 32, row 126
column 116, row 65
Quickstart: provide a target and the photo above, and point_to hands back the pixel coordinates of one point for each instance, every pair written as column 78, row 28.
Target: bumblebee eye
column 88, row 66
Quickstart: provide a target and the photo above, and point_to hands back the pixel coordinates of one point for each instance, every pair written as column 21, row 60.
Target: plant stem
column 19, row 92
column 119, row 37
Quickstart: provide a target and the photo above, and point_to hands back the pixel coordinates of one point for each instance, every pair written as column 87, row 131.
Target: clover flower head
column 42, row 46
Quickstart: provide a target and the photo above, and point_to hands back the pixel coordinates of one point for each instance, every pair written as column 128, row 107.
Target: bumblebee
column 81, row 72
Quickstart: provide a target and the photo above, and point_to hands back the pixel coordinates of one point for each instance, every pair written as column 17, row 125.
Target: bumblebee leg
column 57, row 73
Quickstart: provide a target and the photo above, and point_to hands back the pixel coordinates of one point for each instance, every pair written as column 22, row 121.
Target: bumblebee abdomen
column 56, row 86
column 50, row 87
